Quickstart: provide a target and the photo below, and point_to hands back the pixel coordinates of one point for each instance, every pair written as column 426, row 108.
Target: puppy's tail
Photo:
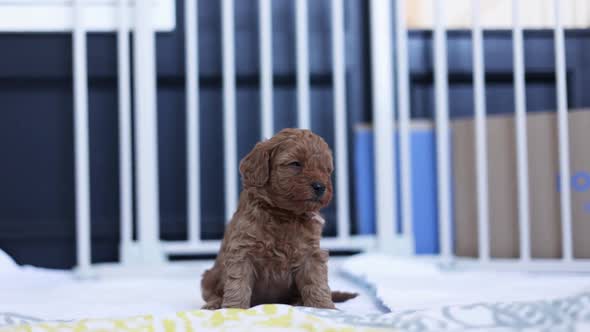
column 338, row 297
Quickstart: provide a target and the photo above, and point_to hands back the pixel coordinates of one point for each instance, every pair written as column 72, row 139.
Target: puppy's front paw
column 237, row 305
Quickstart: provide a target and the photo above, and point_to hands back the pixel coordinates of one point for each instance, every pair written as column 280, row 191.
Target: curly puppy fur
column 271, row 252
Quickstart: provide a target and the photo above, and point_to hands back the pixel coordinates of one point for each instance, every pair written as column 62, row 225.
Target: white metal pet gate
column 148, row 248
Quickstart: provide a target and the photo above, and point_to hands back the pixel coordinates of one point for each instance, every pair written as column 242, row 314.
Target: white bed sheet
column 419, row 296
column 54, row 295
column 423, row 298
column 414, row 284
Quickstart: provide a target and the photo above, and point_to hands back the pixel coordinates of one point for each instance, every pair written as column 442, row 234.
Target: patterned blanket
column 264, row 317
column 565, row 314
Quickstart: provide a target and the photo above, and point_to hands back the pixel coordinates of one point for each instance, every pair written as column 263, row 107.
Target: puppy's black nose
column 318, row 188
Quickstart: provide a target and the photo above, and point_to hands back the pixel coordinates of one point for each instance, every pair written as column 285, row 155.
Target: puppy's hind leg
column 211, row 289
column 213, row 304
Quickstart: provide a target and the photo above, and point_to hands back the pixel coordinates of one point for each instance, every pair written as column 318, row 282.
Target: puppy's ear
column 255, row 166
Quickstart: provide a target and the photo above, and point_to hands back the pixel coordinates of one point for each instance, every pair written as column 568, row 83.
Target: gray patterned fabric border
column 565, row 314
column 8, row 318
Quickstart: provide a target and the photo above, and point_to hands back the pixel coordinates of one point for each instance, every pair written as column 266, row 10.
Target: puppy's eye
column 294, row 164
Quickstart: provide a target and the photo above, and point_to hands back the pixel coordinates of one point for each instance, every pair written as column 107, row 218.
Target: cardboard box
column 543, row 158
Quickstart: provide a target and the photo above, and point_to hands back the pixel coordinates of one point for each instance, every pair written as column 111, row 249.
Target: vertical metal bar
column 562, row 116
column 146, row 133
column 81, row 141
column 266, row 73
column 192, row 119
column 403, row 83
column 521, row 133
column 302, row 46
column 442, row 129
column 382, row 95
column 340, row 123
column 581, row 13
column 481, row 144
column 229, row 107
column 125, row 166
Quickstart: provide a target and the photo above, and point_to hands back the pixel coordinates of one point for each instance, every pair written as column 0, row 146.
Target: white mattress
column 411, row 284
column 403, row 294
column 53, row 295
column 423, row 298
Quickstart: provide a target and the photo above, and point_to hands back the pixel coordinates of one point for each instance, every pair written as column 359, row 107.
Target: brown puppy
column 271, row 249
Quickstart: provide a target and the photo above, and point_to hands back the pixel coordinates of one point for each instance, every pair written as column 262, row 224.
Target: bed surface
column 394, row 294
column 50, row 294
column 422, row 297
